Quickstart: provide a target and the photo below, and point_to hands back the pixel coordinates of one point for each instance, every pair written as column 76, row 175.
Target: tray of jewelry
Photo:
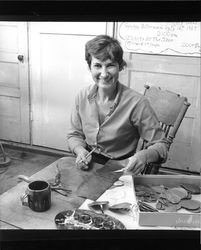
column 168, row 200
column 81, row 219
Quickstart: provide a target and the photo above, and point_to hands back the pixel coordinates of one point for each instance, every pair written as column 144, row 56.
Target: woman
column 109, row 117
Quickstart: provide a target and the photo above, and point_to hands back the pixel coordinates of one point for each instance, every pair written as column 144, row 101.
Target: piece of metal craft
column 145, row 207
column 123, row 207
column 98, row 206
column 118, row 183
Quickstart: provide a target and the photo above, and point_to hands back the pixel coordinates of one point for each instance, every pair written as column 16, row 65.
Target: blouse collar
column 93, row 93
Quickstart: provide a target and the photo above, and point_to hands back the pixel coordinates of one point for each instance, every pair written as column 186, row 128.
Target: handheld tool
column 80, row 161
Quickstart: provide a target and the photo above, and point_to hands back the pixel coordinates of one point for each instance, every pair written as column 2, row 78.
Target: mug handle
column 23, row 197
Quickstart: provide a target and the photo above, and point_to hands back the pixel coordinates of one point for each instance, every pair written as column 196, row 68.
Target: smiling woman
column 109, row 117
column 105, row 74
column 104, row 56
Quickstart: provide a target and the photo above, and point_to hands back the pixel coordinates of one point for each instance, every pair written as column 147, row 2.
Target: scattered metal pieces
column 192, row 188
column 168, row 199
column 190, row 204
column 146, row 193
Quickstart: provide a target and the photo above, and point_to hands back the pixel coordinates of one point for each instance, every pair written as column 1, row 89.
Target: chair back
column 170, row 108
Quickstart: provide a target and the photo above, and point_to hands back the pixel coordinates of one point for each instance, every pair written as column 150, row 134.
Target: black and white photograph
column 100, row 126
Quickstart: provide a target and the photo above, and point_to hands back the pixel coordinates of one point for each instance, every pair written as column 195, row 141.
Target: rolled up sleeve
column 150, row 130
column 161, row 147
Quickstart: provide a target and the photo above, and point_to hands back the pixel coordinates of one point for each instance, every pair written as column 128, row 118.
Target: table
column 14, row 215
column 86, row 186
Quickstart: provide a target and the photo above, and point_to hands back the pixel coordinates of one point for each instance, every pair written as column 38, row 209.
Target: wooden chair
column 170, row 109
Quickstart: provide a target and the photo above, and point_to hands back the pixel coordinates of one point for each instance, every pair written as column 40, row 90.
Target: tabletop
column 86, row 186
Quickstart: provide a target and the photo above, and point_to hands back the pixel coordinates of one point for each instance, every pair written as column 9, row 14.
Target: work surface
column 86, row 186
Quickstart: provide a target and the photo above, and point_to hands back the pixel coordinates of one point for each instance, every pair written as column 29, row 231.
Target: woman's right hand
column 81, row 161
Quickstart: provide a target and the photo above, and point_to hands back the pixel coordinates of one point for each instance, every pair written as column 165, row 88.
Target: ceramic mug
column 38, row 195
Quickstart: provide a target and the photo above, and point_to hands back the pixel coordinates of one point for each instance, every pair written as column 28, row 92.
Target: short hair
column 104, row 47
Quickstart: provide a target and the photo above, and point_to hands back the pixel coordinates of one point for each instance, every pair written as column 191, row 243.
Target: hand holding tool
column 80, row 161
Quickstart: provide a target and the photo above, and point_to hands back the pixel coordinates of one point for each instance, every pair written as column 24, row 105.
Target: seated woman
column 110, row 117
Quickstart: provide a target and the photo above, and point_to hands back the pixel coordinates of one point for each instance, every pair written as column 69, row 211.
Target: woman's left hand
column 136, row 163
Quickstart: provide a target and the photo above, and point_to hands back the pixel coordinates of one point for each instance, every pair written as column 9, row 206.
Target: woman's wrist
column 148, row 155
column 78, row 149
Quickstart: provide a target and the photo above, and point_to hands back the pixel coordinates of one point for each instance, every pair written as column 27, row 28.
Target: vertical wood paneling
column 8, row 37
column 9, row 118
column 14, row 85
column 9, row 75
column 58, row 71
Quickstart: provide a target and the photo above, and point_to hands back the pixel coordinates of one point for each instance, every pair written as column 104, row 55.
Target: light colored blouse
column 129, row 119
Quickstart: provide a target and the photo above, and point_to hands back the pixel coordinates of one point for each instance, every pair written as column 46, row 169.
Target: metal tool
column 87, row 155
column 64, row 192
column 120, row 170
column 60, row 188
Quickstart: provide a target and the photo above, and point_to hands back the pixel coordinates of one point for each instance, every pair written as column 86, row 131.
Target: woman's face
column 104, row 73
